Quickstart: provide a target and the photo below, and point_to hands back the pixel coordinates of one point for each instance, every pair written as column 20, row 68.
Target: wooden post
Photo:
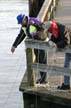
column 33, row 11
column 34, row 7
column 30, row 73
column 52, row 14
column 54, row 3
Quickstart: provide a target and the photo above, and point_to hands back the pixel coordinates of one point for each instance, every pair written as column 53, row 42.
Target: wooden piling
column 34, row 7
column 30, row 72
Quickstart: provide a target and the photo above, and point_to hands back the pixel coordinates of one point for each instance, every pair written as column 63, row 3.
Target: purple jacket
column 22, row 35
column 35, row 20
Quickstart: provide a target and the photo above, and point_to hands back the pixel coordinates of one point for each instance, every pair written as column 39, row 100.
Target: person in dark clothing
column 31, row 29
column 60, row 34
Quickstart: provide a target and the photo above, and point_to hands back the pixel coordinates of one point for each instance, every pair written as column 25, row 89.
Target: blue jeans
column 67, row 64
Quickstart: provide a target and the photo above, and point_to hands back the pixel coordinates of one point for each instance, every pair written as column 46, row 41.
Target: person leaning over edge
column 30, row 27
column 61, row 36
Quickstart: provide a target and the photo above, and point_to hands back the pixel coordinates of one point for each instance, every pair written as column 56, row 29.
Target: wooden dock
column 47, row 95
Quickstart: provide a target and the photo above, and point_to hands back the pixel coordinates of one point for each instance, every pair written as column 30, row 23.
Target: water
column 12, row 66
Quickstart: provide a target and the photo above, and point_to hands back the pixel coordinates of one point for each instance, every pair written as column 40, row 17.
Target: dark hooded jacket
column 64, row 36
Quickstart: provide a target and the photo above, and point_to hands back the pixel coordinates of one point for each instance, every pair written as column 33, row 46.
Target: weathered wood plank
column 52, row 70
column 30, row 43
column 30, row 73
column 44, row 45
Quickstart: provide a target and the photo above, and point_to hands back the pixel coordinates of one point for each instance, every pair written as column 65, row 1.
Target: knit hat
column 20, row 18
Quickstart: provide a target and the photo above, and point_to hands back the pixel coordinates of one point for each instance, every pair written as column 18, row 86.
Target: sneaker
column 40, row 81
column 64, row 87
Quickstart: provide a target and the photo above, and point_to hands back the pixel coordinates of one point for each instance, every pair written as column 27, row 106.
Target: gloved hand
column 52, row 44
